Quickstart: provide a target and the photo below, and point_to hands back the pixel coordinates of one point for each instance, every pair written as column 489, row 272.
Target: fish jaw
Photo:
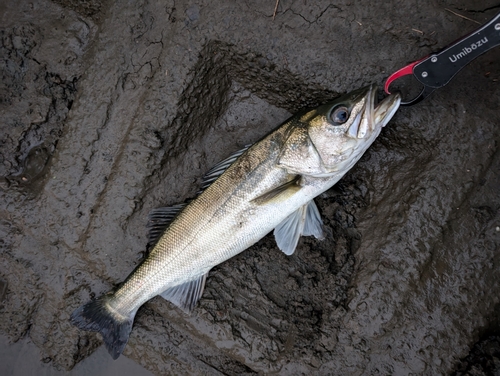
column 363, row 123
column 371, row 118
column 386, row 109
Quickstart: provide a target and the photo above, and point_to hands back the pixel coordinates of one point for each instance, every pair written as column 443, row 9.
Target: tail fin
column 96, row 316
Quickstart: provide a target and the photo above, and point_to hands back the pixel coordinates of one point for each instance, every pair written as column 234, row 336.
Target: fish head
column 333, row 136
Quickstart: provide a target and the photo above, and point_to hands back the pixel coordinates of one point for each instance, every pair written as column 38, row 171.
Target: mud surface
column 110, row 109
column 22, row 359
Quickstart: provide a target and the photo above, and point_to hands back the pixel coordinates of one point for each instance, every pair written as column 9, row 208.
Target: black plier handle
column 436, row 70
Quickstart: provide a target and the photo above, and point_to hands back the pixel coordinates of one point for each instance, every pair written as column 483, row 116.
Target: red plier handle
column 436, row 70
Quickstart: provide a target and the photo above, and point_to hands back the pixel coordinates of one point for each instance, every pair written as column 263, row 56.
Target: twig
column 459, row 15
column 275, row 8
column 418, row 31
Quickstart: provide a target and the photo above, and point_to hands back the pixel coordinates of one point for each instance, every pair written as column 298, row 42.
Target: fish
column 270, row 185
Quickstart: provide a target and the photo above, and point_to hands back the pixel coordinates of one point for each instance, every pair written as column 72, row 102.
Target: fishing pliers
column 437, row 69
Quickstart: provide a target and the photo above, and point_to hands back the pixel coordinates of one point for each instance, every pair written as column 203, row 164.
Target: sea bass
column 270, row 185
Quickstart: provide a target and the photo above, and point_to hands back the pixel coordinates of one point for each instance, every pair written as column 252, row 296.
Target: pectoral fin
column 186, row 296
column 279, row 194
column 304, row 221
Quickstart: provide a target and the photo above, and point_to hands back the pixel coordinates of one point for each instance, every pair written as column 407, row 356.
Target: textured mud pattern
column 111, row 109
column 484, row 358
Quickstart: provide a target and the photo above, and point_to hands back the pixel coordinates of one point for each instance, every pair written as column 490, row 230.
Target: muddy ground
column 110, row 109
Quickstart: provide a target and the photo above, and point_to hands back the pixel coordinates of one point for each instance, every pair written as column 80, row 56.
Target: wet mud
column 111, row 109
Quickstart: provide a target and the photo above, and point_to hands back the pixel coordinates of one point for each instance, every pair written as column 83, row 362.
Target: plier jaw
column 406, row 71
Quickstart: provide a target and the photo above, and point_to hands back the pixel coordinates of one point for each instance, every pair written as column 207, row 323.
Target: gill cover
column 299, row 154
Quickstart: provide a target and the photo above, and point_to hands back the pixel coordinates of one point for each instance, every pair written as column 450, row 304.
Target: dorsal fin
column 159, row 220
column 219, row 169
column 186, row 295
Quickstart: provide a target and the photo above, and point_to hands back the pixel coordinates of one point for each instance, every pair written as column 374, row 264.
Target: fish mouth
column 373, row 116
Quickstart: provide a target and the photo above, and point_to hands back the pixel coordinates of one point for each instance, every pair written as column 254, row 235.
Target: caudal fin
column 96, row 316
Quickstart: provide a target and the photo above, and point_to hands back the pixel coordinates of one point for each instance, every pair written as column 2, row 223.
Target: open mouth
column 374, row 116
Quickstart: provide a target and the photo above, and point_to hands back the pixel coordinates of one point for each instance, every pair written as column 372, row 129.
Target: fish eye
column 340, row 115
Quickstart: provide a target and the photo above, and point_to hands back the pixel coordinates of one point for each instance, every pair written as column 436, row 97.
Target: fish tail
column 97, row 316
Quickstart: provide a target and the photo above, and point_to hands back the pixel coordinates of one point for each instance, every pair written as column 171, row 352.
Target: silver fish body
column 270, row 185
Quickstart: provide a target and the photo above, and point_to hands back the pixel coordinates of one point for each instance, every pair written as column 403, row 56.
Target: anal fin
column 186, row 295
column 305, row 220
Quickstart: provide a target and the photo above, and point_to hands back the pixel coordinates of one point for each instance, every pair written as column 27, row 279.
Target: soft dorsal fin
column 159, row 220
column 305, row 220
column 186, row 295
column 216, row 171
column 279, row 194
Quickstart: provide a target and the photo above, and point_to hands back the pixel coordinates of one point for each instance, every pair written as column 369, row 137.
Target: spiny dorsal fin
column 186, row 295
column 216, row 171
column 159, row 220
column 305, row 220
column 279, row 194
